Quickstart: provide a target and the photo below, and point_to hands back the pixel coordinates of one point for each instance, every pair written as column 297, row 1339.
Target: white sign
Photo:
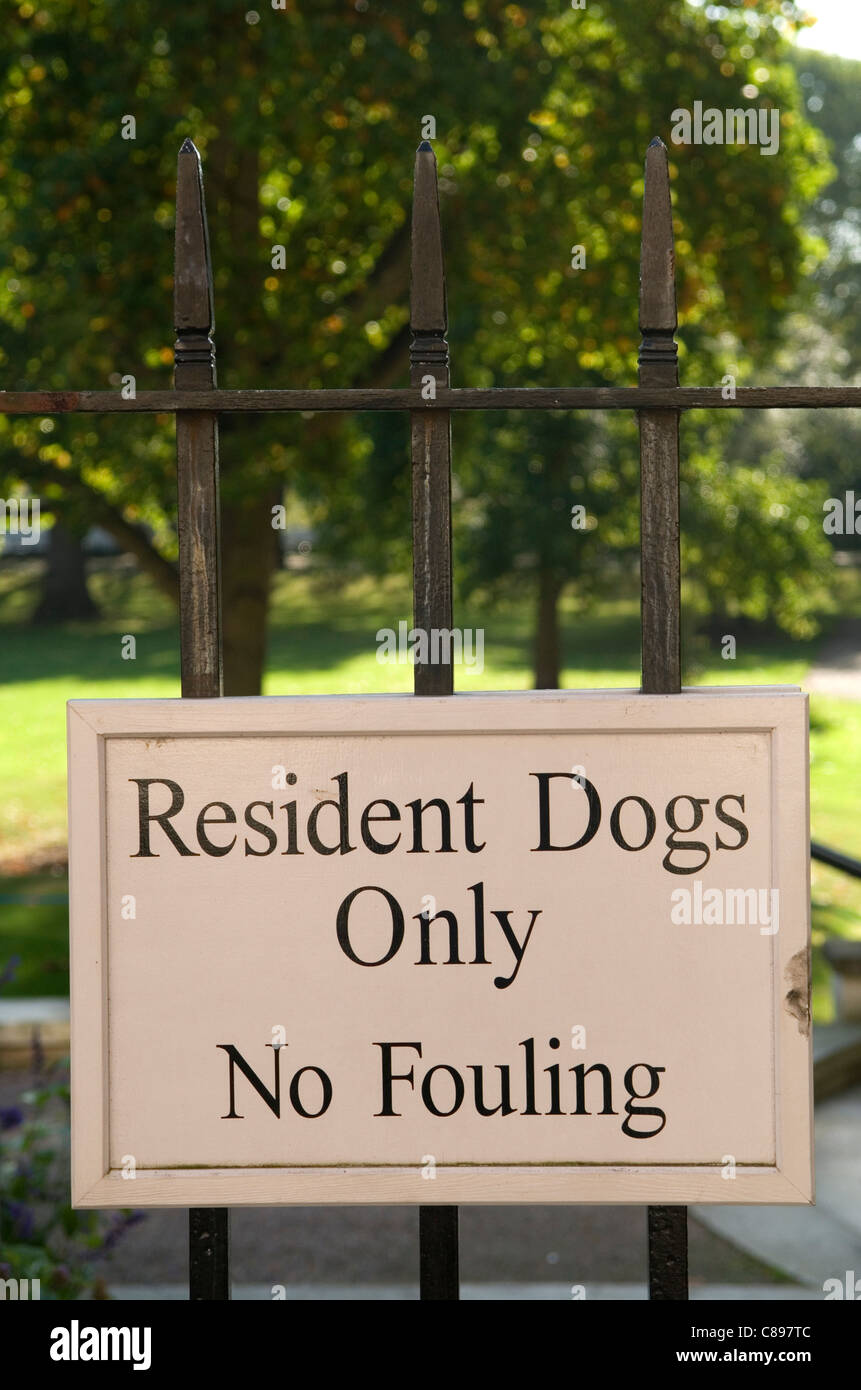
column 547, row 947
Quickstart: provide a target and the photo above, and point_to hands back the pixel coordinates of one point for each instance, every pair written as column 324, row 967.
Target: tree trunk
column 248, row 551
column 547, row 632
column 248, row 543
column 130, row 537
column 65, row 596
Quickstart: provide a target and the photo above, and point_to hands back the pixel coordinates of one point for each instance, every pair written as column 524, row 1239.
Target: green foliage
column 832, row 96
column 306, row 121
column 820, row 341
column 750, row 546
column 524, row 475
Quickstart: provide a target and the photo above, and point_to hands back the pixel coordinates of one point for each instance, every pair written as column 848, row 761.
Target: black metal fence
column 197, row 403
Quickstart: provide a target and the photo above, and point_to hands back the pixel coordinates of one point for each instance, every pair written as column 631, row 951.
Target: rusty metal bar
column 430, row 431
column 660, row 570
column 430, row 451
column 644, row 397
column 208, row 1254
column 439, row 1279
column 199, row 588
column 659, row 437
column 196, row 440
column 668, row 1254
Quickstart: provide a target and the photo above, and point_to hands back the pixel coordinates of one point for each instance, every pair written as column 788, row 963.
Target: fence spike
column 196, row 439
column 430, row 431
column 194, row 314
column 427, row 292
column 659, row 435
column 657, row 256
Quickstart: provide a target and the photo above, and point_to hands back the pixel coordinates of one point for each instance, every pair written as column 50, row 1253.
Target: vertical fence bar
column 196, row 439
column 430, row 450
column 199, row 589
column 660, row 569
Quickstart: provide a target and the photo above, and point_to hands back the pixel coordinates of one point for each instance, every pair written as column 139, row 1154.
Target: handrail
column 836, row 859
column 833, row 857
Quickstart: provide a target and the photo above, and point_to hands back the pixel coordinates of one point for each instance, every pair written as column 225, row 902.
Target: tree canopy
column 306, row 116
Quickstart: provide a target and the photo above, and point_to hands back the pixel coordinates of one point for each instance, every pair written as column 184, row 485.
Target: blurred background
column 307, row 114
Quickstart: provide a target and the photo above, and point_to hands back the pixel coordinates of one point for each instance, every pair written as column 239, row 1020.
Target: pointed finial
column 427, row 294
column 657, row 258
column 192, row 297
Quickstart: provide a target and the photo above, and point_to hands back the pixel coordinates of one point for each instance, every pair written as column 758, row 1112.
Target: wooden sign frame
column 780, row 713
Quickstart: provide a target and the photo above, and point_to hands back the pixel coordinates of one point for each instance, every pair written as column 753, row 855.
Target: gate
column 197, row 403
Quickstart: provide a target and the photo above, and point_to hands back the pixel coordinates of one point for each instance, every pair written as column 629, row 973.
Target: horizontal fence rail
column 410, row 398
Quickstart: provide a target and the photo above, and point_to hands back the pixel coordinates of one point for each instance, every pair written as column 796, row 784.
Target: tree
column 306, row 118
column 741, row 252
column 65, row 595
column 820, row 341
column 555, row 517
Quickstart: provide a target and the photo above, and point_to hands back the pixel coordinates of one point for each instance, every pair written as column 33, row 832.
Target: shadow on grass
column 78, row 652
column 602, row 641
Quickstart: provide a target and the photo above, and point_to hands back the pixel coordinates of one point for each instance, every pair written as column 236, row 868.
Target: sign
column 546, row 947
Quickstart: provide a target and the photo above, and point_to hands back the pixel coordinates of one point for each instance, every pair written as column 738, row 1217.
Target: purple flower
column 21, row 1221
column 120, row 1223
column 10, row 1116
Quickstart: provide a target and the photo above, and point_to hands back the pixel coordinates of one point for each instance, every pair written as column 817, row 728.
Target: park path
column 838, row 669
column 810, row 1244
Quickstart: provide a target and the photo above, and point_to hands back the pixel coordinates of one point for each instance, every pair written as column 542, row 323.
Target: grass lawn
column 322, row 640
